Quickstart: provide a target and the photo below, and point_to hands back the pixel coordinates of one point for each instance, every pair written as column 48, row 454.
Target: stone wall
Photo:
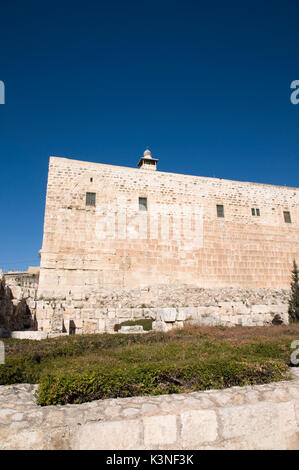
column 178, row 240
column 18, row 293
column 253, row 417
column 169, row 306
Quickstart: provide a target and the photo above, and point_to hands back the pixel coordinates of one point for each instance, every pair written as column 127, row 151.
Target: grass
column 79, row 368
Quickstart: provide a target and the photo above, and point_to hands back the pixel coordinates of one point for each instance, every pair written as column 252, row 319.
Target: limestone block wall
column 255, row 418
column 170, row 307
column 178, row 240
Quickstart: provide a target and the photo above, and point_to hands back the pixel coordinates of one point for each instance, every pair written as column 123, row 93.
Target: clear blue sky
column 205, row 85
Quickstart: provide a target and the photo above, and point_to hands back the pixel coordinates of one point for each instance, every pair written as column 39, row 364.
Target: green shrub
column 19, row 370
column 79, row 368
column 294, row 297
column 153, row 380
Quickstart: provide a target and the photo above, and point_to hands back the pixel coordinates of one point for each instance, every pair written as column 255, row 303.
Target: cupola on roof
column 147, row 162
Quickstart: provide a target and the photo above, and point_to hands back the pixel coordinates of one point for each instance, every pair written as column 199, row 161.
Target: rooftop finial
column 147, row 153
column 147, row 162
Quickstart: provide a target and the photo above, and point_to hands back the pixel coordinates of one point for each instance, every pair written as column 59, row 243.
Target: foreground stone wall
column 178, row 239
column 169, row 306
column 254, row 417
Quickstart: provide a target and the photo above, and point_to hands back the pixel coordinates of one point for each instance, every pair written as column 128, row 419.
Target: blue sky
column 205, row 85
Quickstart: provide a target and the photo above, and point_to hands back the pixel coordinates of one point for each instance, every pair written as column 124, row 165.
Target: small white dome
column 147, row 153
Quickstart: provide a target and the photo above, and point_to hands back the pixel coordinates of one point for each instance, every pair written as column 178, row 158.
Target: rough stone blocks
column 198, row 427
column 160, row 430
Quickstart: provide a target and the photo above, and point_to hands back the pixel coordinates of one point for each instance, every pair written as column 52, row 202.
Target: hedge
column 59, row 389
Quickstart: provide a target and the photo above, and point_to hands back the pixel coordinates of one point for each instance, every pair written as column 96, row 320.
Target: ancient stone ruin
column 17, row 302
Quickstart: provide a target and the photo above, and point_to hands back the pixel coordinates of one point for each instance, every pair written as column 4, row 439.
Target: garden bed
column 77, row 369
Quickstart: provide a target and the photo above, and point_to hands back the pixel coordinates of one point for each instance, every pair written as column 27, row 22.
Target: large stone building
column 111, row 229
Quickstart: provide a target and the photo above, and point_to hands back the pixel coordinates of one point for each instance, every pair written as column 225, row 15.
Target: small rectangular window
column 287, row 217
column 258, row 212
column 90, row 199
column 143, row 204
column 255, row 211
column 252, row 211
column 220, row 210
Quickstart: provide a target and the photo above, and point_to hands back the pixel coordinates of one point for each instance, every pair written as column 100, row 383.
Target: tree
column 294, row 297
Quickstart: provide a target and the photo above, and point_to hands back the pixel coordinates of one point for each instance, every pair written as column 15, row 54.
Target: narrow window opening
column 220, row 210
column 255, row 211
column 287, row 217
column 143, row 204
column 91, row 180
column 90, row 199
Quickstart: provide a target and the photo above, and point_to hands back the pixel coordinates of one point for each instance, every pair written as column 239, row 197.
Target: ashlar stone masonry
column 114, row 233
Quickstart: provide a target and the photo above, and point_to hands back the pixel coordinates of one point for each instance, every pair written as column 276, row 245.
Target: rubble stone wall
column 18, row 294
column 169, row 307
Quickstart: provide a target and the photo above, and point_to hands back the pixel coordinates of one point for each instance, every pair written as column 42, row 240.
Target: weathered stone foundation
column 169, row 307
column 100, row 311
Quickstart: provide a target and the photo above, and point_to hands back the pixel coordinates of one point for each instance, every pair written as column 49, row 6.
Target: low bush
column 294, row 297
column 78, row 368
column 153, row 380
column 19, row 369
